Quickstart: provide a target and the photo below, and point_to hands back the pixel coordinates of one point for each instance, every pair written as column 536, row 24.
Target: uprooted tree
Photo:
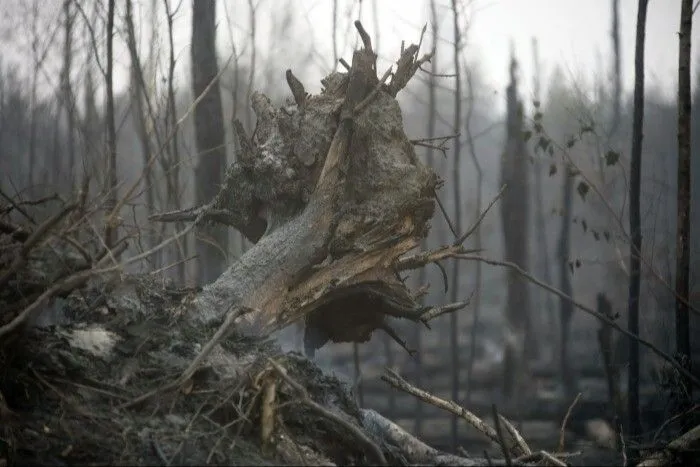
column 331, row 193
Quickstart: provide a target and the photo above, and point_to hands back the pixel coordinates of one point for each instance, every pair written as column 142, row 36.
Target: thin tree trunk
column 515, row 222
column 251, row 73
column 634, row 424
column 617, row 69
column 540, row 225
column 138, row 94
column 457, row 199
column 565, row 306
column 110, row 229
column 66, row 88
column 422, row 274
column 335, row 34
column 209, row 132
column 33, row 105
column 683, row 199
column 174, row 151
column 476, row 309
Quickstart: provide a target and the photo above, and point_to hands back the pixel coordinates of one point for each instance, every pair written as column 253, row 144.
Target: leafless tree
column 634, row 424
column 252, row 6
column 173, row 151
column 457, row 199
column 617, row 67
column 429, row 153
column 67, row 99
column 209, row 133
column 540, row 227
column 139, row 97
column 111, row 186
column 515, row 217
column 683, row 198
column 476, row 309
column 566, row 308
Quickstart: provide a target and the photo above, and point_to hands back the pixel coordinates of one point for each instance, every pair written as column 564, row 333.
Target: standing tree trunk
column 422, row 274
column 138, row 96
column 173, row 150
column 110, row 205
column 66, row 88
column 515, row 216
column 477, row 234
column 566, row 308
column 457, row 193
column 209, row 132
column 683, row 200
column 617, row 70
column 541, row 229
column 634, row 424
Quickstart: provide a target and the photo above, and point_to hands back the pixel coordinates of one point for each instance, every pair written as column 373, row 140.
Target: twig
column 401, row 384
column 434, row 312
column 501, row 439
column 515, row 434
column 17, row 207
column 70, row 283
column 164, row 145
column 33, row 239
column 673, row 419
column 562, row 430
column 434, row 138
column 476, row 224
column 366, row 101
column 445, row 215
column 306, row 400
column 366, row 41
column 537, row 456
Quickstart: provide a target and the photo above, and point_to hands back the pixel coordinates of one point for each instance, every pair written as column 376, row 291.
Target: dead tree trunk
column 617, row 70
column 422, row 276
column 67, row 98
column 332, row 195
column 173, row 152
column 514, row 215
column 634, row 428
column 457, row 199
column 683, row 200
column 111, row 186
column 566, row 308
column 546, row 299
column 210, row 136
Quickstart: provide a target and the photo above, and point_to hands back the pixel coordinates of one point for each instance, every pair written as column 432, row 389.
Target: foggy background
column 257, row 40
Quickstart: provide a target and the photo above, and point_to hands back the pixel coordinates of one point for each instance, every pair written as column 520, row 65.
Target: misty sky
column 572, row 33
column 575, row 34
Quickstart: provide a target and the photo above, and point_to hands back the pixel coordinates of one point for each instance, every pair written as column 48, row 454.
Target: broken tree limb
column 391, row 377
